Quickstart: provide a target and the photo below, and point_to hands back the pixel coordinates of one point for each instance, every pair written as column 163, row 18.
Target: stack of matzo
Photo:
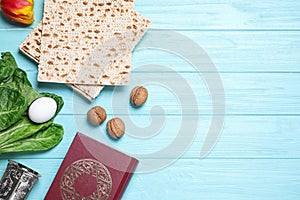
column 86, row 43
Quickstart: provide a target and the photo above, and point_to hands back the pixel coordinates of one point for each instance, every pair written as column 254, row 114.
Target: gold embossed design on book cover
column 79, row 169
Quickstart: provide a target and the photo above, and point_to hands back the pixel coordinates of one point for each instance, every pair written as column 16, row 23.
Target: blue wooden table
column 255, row 47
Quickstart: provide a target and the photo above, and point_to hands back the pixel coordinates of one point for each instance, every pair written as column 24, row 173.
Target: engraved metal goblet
column 17, row 181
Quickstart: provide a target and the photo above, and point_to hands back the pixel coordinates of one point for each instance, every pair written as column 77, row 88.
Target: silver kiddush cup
column 17, row 181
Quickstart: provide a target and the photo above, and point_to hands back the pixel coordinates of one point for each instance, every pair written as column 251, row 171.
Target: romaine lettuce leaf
column 12, row 107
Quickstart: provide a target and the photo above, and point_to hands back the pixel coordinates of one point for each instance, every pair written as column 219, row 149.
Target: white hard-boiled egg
column 42, row 109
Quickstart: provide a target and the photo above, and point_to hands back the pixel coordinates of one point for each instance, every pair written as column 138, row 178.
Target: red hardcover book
column 91, row 170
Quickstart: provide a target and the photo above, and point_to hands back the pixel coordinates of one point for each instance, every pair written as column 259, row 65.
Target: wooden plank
column 232, row 51
column 216, row 14
column 267, row 137
column 246, row 93
column 10, row 41
column 219, row 179
column 221, row 14
column 267, row 179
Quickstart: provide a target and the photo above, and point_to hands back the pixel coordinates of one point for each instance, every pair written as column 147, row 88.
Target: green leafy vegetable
column 22, row 129
column 17, row 131
column 20, row 77
column 12, row 107
column 7, row 66
column 43, row 140
column 18, row 81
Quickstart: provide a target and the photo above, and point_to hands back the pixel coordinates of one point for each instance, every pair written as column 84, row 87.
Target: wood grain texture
column 222, row 14
column 246, row 93
column 209, row 179
column 230, row 51
column 255, row 48
column 206, row 14
column 278, row 138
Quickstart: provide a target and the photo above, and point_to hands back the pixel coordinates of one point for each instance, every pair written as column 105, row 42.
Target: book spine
column 125, row 179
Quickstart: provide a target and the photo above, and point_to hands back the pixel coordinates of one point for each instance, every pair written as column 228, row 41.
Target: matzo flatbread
column 75, row 30
column 109, row 51
column 31, row 47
